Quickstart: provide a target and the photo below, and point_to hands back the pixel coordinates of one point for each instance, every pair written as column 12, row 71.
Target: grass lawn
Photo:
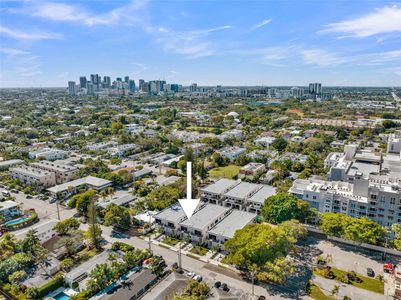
column 199, row 250
column 227, row 172
column 368, row 283
column 170, row 241
column 316, row 293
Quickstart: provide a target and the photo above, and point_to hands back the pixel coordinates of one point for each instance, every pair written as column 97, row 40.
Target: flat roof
column 173, row 213
column 364, row 168
column 40, row 228
column 219, row 186
column 87, row 266
column 205, row 215
column 242, row 190
column 236, row 220
column 7, row 204
column 6, row 163
column 118, row 200
column 89, row 180
column 265, row 192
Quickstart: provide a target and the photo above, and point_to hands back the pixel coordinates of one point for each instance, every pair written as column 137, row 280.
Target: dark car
column 217, row 284
column 174, row 266
column 370, row 272
column 262, row 298
column 28, row 197
column 225, row 287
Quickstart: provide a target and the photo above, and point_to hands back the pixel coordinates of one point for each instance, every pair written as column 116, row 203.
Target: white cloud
column 57, row 11
column 261, row 24
column 321, row 58
column 12, row 52
column 33, row 36
column 140, row 69
column 191, row 44
column 383, row 20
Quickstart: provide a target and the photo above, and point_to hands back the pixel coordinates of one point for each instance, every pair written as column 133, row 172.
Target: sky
column 215, row 42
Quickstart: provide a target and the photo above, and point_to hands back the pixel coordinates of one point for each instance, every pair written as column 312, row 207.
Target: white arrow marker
column 189, row 205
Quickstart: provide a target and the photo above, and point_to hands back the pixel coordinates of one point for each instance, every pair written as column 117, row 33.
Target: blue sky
column 47, row 43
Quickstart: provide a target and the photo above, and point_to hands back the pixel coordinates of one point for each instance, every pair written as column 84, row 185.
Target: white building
column 231, row 152
column 45, row 231
column 6, row 164
column 265, row 141
column 63, row 172
column 89, row 182
column 48, row 154
column 33, row 176
column 394, row 143
column 252, row 170
column 122, row 150
column 9, row 210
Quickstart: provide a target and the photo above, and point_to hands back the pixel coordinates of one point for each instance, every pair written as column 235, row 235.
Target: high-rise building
column 315, row 88
column 82, row 82
column 90, row 90
column 126, row 79
column 297, row 92
column 106, row 82
column 119, row 79
column 131, row 85
column 193, row 87
column 140, row 84
column 71, row 88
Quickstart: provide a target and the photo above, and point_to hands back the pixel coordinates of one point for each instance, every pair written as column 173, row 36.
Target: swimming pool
column 61, row 296
column 16, row 221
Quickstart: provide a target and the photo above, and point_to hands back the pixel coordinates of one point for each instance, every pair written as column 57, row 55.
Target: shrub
column 51, row 285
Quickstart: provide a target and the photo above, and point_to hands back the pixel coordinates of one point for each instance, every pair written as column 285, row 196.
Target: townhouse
column 63, row 173
column 48, row 154
column 231, row 153
column 33, row 176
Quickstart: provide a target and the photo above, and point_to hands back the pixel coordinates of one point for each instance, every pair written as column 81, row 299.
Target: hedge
column 122, row 246
column 51, row 285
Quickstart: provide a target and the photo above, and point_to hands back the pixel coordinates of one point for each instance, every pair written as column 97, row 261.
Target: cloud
column 261, row 24
column 33, row 36
column 383, row 20
column 12, row 52
column 191, row 44
column 62, row 12
column 321, row 58
column 140, row 68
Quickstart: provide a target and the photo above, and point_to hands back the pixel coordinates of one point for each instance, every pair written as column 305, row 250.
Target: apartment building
column 231, row 152
column 361, row 184
column 236, row 194
column 6, row 164
column 226, row 229
column 44, row 231
column 48, row 154
column 88, row 182
column 252, row 171
column 101, row 145
column 122, row 150
column 33, row 176
column 196, row 228
column 264, row 141
column 211, row 225
column 62, row 172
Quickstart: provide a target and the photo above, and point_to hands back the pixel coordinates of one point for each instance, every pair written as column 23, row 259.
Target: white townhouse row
column 33, row 176
column 236, row 194
column 211, row 225
column 231, row 153
column 48, row 154
column 101, row 145
column 62, row 171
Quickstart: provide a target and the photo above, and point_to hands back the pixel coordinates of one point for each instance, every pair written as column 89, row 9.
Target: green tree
column 282, row 207
column 279, row 144
column 8, row 245
column 118, row 216
column 263, row 248
column 100, row 277
column 196, row 289
column 294, row 230
column 66, row 226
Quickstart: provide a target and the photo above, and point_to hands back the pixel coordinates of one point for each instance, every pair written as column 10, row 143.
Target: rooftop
column 173, row 213
column 242, row 190
column 89, row 180
column 265, row 192
column 237, row 219
column 205, row 216
column 219, row 186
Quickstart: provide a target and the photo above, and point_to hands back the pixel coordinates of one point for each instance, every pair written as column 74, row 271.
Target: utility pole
column 179, row 257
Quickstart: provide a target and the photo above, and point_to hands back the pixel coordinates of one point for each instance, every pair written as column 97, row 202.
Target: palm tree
column 8, row 244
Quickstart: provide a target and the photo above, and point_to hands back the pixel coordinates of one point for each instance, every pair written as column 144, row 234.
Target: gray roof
column 10, row 162
column 118, row 200
column 219, row 186
column 261, row 195
column 139, row 281
column 364, row 168
column 141, row 173
column 242, row 190
column 205, row 215
column 236, row 220
column 87, row 266
column 173, row 213
column 89, row 180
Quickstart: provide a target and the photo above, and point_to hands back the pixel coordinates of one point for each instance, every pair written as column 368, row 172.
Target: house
column 120, row 200
column 137, row 284
column 44, row 231
column 226, row 229
column 9, row 210
column 255, row 202
column 202, row 221
column 122, row 150
column 236, row 197
column 252, row 171
column 265, row 141
column 101, row 145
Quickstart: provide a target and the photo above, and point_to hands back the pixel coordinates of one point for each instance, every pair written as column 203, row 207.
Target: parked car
column 198, row 278
column 370, row 272
column 261, row 298
column 225, row 287
column 217, row 284
column 15, row 191
column 388, row 268
column 29, row 197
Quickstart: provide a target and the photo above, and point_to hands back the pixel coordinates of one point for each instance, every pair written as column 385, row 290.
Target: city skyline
column 226, row 43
